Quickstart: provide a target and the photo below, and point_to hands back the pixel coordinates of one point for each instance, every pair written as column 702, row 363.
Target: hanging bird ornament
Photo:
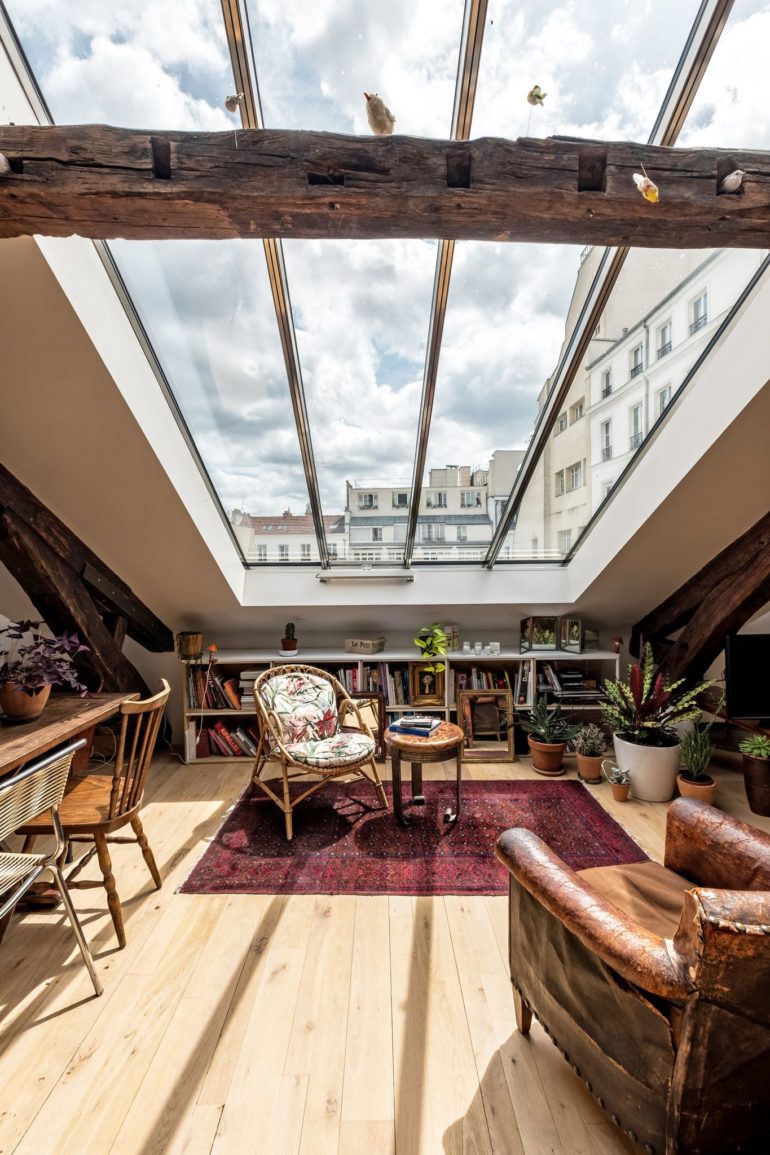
column 647, row 187
column 536, row 96
column 732, row 182
column 381, row 119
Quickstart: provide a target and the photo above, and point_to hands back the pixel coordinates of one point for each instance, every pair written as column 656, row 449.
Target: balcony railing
column 699, row 323
column 636, row 369
column 664, row 349
column 606, row 453
column 636, row 440
column 606, row 390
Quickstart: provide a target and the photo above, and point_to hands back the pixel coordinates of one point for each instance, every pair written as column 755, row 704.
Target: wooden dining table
column 65, row 716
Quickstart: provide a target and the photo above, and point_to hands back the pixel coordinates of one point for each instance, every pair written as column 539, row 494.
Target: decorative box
column 576, row 636
column 364, row 645
column 538, row 633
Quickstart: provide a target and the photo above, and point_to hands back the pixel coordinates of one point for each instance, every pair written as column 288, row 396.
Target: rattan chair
column 302, row 713
column 38, row 789
column 97, row 805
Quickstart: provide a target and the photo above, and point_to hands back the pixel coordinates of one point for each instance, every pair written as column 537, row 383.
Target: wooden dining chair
column 94, row 807
column 36, row 789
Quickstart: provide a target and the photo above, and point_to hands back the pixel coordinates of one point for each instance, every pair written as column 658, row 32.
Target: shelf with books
column 575, row 681
column 220, row 717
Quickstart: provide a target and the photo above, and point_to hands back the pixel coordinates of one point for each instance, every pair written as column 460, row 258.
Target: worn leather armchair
column 654, row 981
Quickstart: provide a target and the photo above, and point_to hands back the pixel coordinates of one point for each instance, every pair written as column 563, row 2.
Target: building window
column 400, row 500
column 462, row 533
column 559, row 482
column 333, row 550
column 261, row 553
column 432, row 532
column 606, row 382
column 576, row 412
column 564, row 540
column 283, row 553
column 607, row 489
column 637, row 427
column 664, row 339
column 304, row 551
column 636, row 361
column 561, row 424
column 662, row 398
column 699, row 312
column 377, row 533
column 436, row 499
column 605, row 437
column 469, row 498
column 367, row 501
column 576, row 475
column 535, row 545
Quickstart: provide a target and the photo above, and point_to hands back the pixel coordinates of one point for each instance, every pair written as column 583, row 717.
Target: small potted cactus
column 289, row 643
column 619, row 780
column 756, row 772
column 590, row 743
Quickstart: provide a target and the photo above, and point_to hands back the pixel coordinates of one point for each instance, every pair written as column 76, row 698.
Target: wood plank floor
column 283, row 1024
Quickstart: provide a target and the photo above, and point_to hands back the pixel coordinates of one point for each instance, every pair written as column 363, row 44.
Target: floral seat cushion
column 304, row 704
column 330, row 753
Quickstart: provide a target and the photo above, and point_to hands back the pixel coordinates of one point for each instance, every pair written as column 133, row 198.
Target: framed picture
column 538, row 633
column 426, row 687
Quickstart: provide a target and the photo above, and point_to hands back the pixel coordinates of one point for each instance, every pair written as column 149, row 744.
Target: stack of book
column 246, row 688
column 422, row 725
column 579, row 686
column 226, row 741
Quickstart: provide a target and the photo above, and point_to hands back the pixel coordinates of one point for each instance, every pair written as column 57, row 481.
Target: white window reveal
column 576, row 475
column 283, row 553
column 662, row 399
column 637, row 426
column 367, row 501
column 699, row 312
column 559, row 483
column 305, row 551
column 605, row 437
column 606, row 382
column 470, row 498
column 462, row 533
column 261, row 553
column 377, row 533
column 564, row 540
column 636, row 358
column 664, row 339
column 561, row 423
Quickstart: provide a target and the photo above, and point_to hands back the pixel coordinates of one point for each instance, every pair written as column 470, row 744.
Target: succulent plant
column 618, row 776
column 590, row 741
column 549, row 724
column 757, row 746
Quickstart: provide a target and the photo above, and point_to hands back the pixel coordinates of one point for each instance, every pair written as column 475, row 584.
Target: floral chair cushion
column 329, row 753
column 305, row 705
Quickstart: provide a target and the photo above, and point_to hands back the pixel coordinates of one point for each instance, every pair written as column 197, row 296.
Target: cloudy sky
column 362, row 308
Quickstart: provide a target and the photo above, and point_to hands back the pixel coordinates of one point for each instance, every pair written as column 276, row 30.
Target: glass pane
column 361, row 308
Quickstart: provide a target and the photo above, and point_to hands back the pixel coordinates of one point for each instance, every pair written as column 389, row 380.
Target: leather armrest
column 635, row 953
column 713, row 849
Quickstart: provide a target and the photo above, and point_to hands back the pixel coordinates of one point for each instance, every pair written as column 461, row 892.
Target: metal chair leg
column 75, row 922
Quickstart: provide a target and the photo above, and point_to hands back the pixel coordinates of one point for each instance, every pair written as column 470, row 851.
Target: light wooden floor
column 256, row 1024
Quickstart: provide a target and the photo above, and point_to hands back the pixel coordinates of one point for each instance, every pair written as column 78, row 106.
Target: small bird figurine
column 381, row 119
column 232, row 102
column 535, row 95
column 4, row 165
column 732, row 182
column 647, row 187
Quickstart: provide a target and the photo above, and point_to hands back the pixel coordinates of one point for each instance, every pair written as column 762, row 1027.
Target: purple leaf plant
column 31, row 659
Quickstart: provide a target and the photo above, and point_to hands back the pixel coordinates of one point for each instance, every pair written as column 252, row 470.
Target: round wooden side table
column 445, row 740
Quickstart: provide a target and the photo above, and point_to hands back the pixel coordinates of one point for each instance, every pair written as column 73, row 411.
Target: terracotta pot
column 756, row 779
column 620, row 791
column 20, row 707
column 703, row 789
column 590, row 767
column 653, row 769
column 289, row 647
column 547, row 757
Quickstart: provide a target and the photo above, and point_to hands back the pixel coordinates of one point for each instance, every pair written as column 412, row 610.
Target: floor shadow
column 410, row 1077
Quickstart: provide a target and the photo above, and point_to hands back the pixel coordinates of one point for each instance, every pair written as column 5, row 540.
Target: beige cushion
column 645, row 891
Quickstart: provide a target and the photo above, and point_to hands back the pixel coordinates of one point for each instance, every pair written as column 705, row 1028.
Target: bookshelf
column 388, row 673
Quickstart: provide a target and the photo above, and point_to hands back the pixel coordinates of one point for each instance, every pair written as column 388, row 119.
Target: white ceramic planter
column 653, row 769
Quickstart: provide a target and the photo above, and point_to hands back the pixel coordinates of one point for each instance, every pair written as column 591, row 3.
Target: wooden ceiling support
column 105, row 182
column 717, row 600
column 72, row 589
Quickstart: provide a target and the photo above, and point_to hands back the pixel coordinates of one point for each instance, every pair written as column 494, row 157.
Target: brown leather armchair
column 654, row 981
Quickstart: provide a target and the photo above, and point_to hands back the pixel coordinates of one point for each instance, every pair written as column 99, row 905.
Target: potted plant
column 756, row 772
column 432, row 643
column 590, row 743
column 32, row 663
column 619, row 780
column 642, row 713
column 548, row 733
column 696, row 753
column 289, row 643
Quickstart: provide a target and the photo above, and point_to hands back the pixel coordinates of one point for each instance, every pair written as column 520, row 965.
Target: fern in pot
column 590, row 743
column 548, row 732
column 696, row 753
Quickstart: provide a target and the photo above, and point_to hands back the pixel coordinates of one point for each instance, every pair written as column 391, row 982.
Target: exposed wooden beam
column 105, row 588
column 104, row 182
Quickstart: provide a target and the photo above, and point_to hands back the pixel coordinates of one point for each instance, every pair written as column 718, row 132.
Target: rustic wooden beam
column 61, row 597
column 105, row 182
column 105, row 587
column 729, row 566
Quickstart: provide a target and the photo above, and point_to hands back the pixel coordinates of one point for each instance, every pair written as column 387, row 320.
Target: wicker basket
column 364, row 645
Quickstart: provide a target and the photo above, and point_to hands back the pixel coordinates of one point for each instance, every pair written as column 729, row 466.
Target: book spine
column 227, row 737
column 230, row 688
column 221, row 746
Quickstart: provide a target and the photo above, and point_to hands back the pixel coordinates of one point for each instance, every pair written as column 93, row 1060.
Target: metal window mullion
column 704, row 35
column 245, row 77
column 474, row 19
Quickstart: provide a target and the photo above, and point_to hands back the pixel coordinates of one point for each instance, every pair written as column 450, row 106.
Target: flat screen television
column 747, row 675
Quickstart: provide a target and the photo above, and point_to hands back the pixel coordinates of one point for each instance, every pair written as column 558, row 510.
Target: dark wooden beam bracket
column 105, row 182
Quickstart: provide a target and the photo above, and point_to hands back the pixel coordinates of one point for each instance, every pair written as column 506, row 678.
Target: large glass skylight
column 361, row 310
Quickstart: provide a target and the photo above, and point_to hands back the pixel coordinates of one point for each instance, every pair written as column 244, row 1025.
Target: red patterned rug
column 344, row 845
